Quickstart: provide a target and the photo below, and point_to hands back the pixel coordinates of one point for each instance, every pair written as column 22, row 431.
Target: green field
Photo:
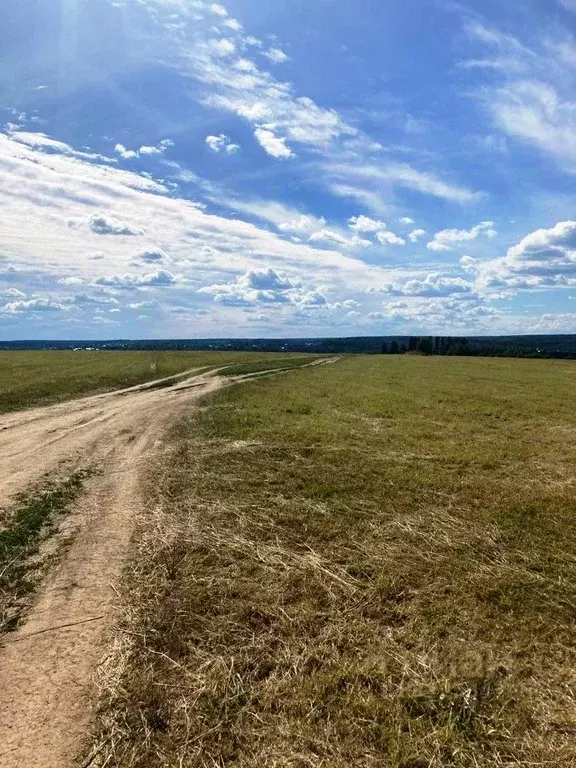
column 41, row 378
column 366, row 564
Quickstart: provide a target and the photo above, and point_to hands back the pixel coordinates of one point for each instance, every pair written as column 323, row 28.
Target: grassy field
column 40, row 378
column 366, row 564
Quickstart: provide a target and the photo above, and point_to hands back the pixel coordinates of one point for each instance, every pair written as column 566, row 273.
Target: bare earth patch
column 47, row 666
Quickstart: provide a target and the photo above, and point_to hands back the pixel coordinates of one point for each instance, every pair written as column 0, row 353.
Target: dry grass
column 32, row 378
column 371, row 564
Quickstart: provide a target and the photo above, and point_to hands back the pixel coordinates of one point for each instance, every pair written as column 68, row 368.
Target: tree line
column 450, row 345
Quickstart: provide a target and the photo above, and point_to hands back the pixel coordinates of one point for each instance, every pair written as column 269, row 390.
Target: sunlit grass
column 43, row 377
column 366, row 564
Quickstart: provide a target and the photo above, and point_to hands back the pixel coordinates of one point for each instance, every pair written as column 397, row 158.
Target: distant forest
column 553, row 346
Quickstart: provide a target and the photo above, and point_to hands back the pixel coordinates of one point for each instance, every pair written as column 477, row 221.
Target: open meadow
column 33, row 378
column 371, row 563
column 368, row 562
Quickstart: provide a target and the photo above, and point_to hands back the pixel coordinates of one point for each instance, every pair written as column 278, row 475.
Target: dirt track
column 46, row 667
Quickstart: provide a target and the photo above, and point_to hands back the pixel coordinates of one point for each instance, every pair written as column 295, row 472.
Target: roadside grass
column 273, row 365
column 367, row 564
column 43, row 377
column 35, row 518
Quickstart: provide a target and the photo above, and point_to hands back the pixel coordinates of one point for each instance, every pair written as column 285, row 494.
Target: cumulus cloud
column 274, row 145
column 416, row 234
column 130, row 154
column 151, row 255
column 223, row 47
column 276, row 55
column 313, row 299
column 406, row 220
column 104, row 224
column 376, row 228
column 365, row 224
column 93, row 299
column 303, row 224
column 144, row 304
column 332, row 236
column 266, row 279
column 232, row 24
column 218, row 10
column 221, row 143
column 158, row 278
column 447, row 238
column 389, row 238
column 148, row 150
column 126, row 154
column 431, row 286
column 544, row 258
column 266, row 286
column 31, row 305
column 12, row 293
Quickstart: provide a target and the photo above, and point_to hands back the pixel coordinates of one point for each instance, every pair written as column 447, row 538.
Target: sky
column 191, row 169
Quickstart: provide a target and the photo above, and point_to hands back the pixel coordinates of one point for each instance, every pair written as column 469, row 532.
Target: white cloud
column 127, row 154
column 544, row 258
column 266, row 279
column 223, row 47
column 314, row 299
column 12, row 293
column 32, row 305
column 333, row 236
column 407, row 220
column 445, row 315
column 104, row 224
column 153, row 304
column 530, row 95
column 273, row 145
column 389, row 238
column 151, row 256
column 431, row 286
column 146, row 150
column 232, row 24
column 265, row 286
column 161, row 277
column 221, row 143
column 366, row 182
column 378, row 228
column 304, row 224
column 365, row 224
column 276, row 55
column 59, row 211
column 43, row 143
column 447, row 238
column 97, row 299
column 218, row 10
column 245, row 65
column 344, row 159
column 416, row 234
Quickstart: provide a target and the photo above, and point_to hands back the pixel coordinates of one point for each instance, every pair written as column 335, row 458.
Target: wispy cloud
column 531, row 96
column 446, row 239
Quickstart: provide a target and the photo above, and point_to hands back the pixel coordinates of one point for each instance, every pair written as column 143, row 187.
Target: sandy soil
column 47, row 666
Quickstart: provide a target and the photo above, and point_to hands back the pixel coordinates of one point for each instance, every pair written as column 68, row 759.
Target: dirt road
column 47, row 666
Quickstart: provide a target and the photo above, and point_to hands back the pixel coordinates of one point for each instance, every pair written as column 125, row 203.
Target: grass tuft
column 34, row 519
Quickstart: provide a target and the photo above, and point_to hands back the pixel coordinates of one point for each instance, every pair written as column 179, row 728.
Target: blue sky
column 184, row 168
